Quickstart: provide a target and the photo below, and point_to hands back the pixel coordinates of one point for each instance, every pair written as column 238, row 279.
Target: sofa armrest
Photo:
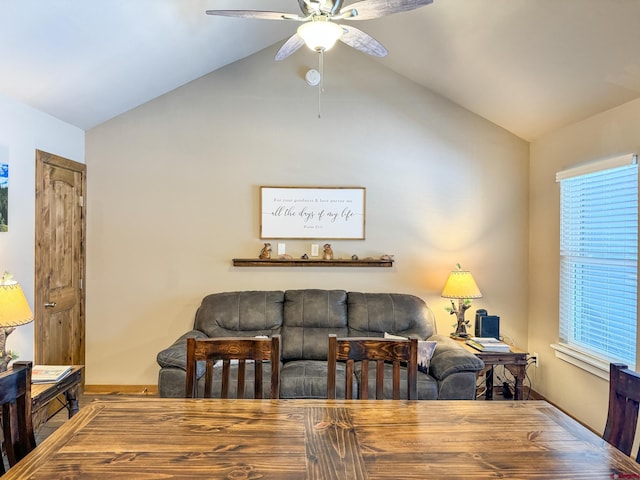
column 450, row 357
column 175, row 356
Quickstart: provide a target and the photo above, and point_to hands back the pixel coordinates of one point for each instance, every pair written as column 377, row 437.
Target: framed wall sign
column 312, row 212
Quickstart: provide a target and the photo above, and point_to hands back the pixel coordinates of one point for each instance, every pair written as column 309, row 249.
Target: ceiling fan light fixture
column 320, row 34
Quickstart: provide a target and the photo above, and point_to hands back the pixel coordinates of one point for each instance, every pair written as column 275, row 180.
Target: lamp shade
column 320, row 35
column 14, row 309
column 461, row 284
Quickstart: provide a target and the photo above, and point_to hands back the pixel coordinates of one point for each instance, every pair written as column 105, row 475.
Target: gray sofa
column 304, row 319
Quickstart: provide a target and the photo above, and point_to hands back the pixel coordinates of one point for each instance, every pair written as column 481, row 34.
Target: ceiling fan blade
column 368, row 9
column 362, row 41
column 294, row 43
column 264, row 15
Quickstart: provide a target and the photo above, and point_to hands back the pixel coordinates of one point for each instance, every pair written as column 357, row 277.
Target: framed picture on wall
column 312, row 212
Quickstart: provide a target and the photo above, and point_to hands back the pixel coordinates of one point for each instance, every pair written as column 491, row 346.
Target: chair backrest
column 624, row 398
column 17, row 424
column 240, row 349
column 380, row 350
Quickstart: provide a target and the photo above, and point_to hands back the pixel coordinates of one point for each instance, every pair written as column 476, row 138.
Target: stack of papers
column 488, row 344
column 49, row 373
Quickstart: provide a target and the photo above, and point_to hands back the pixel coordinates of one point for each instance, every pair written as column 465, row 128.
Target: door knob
column 50, row 305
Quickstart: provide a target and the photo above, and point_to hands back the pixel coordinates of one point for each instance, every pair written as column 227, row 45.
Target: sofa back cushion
column 309, row 317
column 247, row 313
column 373, row 314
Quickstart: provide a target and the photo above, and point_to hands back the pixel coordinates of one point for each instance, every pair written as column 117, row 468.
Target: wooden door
column 59, row 308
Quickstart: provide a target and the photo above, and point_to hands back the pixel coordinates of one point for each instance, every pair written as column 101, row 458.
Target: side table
column 515, row 361
column 47, row 399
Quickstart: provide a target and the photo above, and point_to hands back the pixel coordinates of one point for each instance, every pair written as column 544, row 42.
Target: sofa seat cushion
column 427, row 385
column 249, row 375
column 308, row 379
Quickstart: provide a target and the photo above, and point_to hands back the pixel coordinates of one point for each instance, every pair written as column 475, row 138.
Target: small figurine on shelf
column 305, row 257
column 265, row 253
column 327, row 252
column 354, row 257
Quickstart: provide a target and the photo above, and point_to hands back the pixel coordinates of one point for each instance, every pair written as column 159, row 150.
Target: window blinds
column 598, row 259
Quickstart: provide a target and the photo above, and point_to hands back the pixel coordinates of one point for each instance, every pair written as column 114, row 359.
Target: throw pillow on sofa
column 425, row 351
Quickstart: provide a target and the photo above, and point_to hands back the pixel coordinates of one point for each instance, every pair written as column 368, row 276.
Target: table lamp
column 14, row 311
column 460, row 285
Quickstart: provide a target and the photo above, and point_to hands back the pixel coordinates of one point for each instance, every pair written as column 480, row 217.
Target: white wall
column 605, row 135
column 173, row 196
column 23, row 130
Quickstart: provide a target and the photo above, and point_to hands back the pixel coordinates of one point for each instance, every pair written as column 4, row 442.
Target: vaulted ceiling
column 530, row 66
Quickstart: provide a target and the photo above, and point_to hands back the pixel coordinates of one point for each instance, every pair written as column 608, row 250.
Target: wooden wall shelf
column 276, row 262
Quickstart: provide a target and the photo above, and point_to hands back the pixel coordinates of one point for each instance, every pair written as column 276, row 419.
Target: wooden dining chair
column 17, row 424
column 228, row 350
column 624, row 398
column 379, row 350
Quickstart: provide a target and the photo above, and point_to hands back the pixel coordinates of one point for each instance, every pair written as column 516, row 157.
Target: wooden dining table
column 153, row 438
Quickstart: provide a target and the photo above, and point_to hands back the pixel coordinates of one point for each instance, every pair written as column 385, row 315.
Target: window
column 599, row 259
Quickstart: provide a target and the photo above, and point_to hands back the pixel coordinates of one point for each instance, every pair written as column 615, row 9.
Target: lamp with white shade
column 460, row 285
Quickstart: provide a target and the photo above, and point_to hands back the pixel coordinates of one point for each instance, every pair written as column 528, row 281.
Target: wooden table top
column 322, row 439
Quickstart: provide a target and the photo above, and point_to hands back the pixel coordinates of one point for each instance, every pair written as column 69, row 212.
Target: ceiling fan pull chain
column 321, row 68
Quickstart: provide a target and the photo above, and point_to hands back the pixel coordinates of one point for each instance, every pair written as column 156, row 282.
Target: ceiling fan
column 319, row 30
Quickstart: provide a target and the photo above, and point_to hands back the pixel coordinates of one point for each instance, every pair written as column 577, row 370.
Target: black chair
column 240, row 349
column 17, row 424
column 379, row 350
column 622, row 418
